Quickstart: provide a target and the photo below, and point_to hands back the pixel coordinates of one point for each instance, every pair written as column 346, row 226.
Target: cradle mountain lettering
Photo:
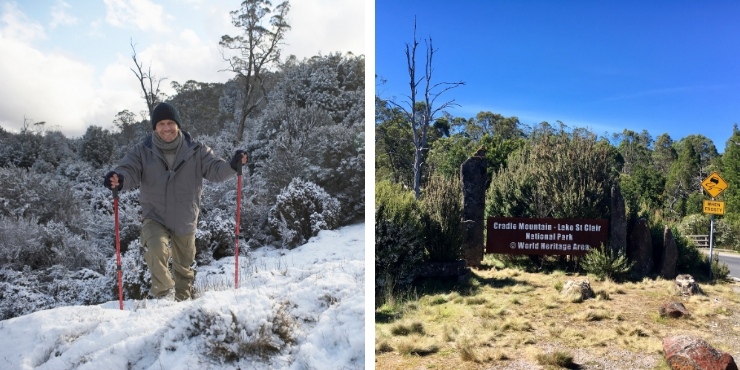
column 545, row 235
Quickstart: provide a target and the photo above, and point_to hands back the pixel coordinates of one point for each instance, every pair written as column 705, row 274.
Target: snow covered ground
column 297, row 309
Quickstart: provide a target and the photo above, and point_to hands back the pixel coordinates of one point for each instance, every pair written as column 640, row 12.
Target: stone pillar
column 667, row 266
column 473, row 178
column 640, row 249
column 618, row 222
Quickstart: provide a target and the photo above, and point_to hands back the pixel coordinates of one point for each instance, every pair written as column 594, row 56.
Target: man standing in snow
column 170, row 167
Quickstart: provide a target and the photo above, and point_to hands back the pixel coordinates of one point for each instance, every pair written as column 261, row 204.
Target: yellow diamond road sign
column 714, row 184
column 714, row 207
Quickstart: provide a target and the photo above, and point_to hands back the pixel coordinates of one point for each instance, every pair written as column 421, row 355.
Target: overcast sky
column 663, row 66
column 68, row 62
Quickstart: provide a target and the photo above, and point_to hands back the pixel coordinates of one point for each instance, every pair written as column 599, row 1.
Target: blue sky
column 67, row 62
column 663, row 66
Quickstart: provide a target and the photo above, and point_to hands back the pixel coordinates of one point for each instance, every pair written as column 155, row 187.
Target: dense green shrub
column 720, row 270
column 690, row 259
column 442, row 227
column 558, row 174
column 605, row 263
column 399, row 252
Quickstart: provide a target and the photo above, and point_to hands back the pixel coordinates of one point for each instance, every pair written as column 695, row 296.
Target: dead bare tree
column 147, row 79
column 421, row 113
column 258, row 47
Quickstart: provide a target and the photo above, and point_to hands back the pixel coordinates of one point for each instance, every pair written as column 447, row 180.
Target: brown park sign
column 563, row 236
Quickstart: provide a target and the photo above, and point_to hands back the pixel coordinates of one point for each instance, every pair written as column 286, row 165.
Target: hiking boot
column 167, row 296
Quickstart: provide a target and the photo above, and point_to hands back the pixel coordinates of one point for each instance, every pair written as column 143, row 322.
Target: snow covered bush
column 255, row 207
column 27, row 291
column 97, row 146
column 230, row 336
column 42, row 166
column 20, row 294
column 215, row 235
column 19, row 244
column 301, row 210
column 70, row 250
column 339, row 167
column 23, row 242
column 20, row 150
column 45, row 197
column 101, row 224
column 135, row 274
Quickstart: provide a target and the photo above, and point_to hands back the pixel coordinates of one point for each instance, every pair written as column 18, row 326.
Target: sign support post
column 714, row 185
column 711, row 240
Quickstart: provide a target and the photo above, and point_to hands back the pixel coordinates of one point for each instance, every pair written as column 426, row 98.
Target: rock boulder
column 674, row 310
column 686, row 286
column 687, row 353
column 578, row 288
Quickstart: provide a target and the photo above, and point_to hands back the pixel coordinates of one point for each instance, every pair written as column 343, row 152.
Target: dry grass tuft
column 383, row 347
column 516, row 324
column 475, row 301
column 593, row 315
column 557, row 358
column 417, row 345
column 404, row 329
column 464, row 347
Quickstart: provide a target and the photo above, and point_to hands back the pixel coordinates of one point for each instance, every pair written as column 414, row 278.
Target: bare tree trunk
column 151, row 92
column 420, row 121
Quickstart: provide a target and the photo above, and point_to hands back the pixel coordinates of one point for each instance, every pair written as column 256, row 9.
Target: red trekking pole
column 238, row 213
column 118, row 249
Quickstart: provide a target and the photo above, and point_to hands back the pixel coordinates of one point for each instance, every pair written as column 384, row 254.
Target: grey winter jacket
column 171, row 196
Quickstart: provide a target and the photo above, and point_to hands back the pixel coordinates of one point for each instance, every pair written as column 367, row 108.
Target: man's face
column 167, row 130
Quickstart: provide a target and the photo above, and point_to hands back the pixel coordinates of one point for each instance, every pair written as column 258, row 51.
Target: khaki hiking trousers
column 158, row 245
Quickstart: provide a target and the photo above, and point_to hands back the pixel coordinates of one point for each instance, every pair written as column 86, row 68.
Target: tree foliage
column 258, row 49
column 97, row 146
column 557, row 174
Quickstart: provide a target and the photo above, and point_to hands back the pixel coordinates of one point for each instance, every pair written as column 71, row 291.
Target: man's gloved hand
column 113, row 179
column 240, row 155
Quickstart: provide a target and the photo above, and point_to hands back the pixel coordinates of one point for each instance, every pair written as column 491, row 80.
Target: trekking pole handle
column 115, row 193
column 239, row 167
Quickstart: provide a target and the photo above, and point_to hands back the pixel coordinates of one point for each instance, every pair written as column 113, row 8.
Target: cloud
column 143, row 14
column 60, row 16
column 52, row 87
column 43, row 87
column 324, row 26
column 185, row 58
column 18, row 26
column 69, row 92
column 327, row 26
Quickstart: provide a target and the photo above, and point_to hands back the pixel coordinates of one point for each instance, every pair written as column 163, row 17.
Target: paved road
column 731, row 259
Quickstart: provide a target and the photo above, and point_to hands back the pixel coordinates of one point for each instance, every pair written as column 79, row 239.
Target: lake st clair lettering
column 545, row 236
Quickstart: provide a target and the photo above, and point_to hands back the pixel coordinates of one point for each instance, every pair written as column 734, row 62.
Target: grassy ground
column 509, row 319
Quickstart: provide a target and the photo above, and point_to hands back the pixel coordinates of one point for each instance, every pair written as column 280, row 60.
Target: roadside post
column 714, row 185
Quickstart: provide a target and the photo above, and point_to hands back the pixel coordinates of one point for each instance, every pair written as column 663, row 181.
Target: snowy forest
column 305, row 142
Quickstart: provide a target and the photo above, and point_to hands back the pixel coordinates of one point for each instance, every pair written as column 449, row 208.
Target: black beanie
column 165, row 111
